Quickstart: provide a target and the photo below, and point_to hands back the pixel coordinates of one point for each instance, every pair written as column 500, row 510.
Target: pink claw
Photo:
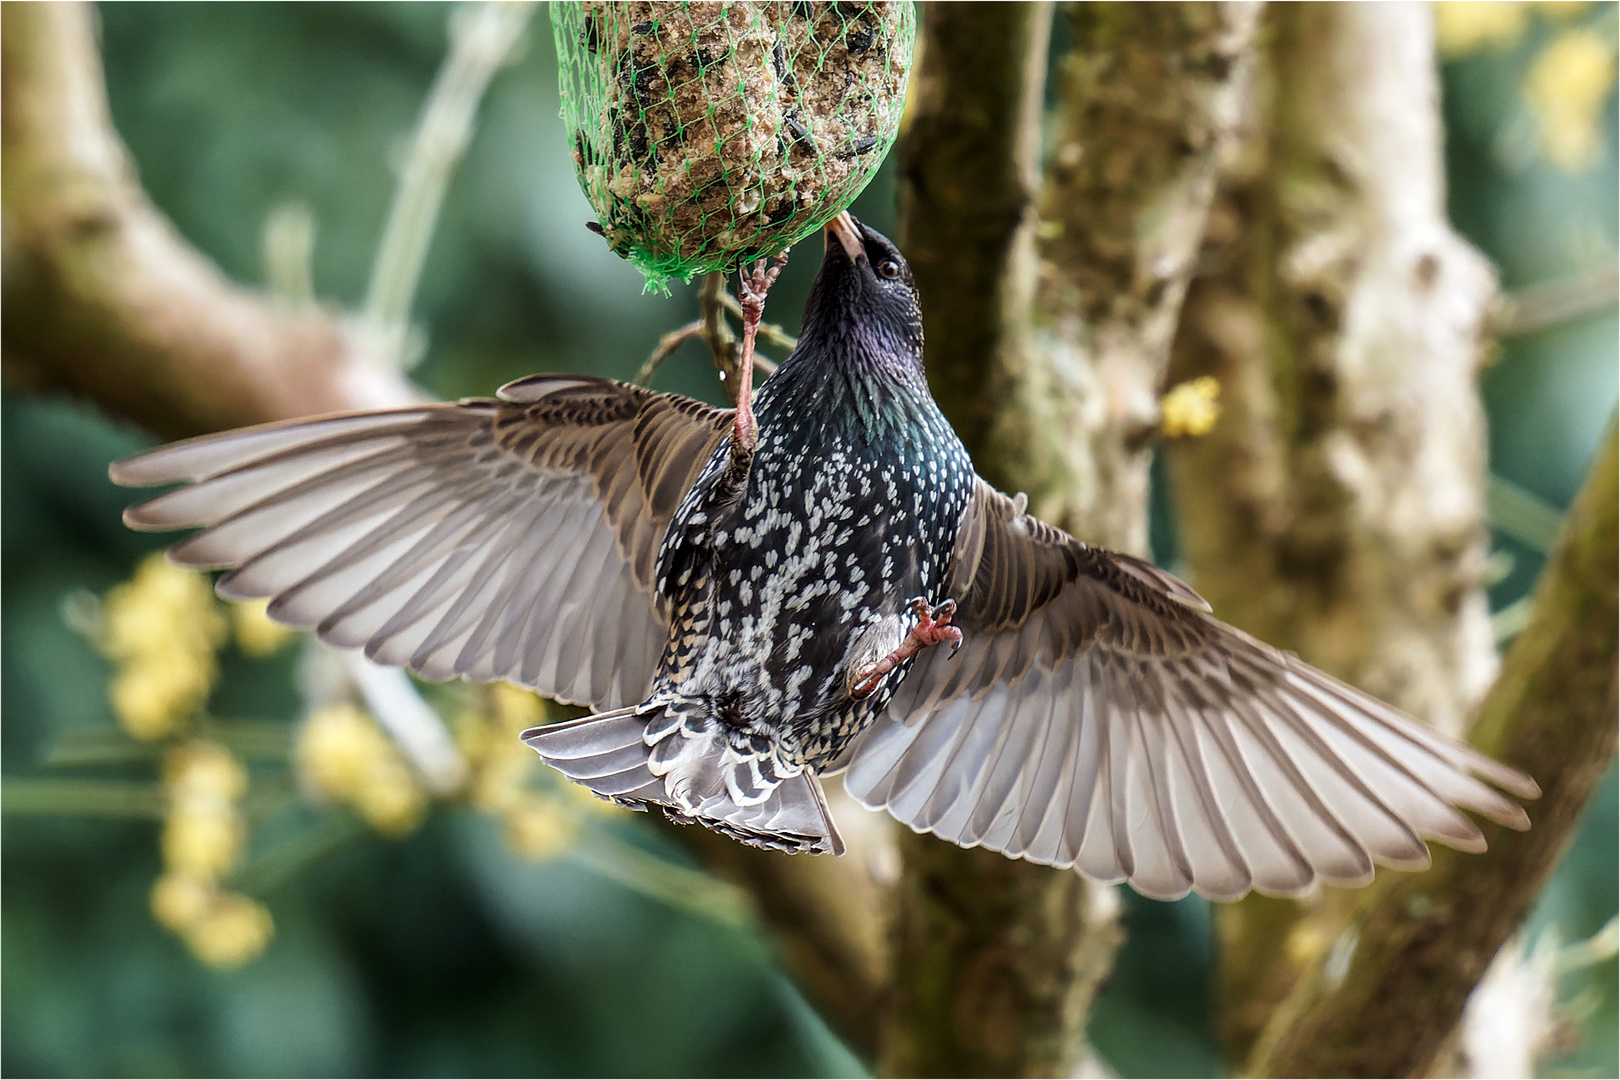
column 751, row 289
column 933, row 627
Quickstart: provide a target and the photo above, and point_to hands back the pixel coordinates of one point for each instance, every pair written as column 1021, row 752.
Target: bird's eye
column 888, row 268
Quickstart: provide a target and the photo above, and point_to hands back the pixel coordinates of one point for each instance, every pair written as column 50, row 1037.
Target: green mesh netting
column 710, row 134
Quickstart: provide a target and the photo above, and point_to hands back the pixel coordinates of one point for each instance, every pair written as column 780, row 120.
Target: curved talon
column 933, row 627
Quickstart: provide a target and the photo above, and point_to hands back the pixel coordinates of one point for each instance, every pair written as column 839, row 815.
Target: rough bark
column 997, row 962
column 1337, row 507
column 1420, row 942
column 1148, row 100
column 969, row 173
column 986, row 951
column 103, row 298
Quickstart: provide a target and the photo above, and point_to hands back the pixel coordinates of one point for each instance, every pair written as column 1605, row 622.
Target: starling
column 753, row 599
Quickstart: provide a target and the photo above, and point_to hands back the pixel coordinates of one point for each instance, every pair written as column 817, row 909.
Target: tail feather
column 608, row 754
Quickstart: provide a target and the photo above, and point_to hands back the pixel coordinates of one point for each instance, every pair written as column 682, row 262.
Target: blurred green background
column 444, row 953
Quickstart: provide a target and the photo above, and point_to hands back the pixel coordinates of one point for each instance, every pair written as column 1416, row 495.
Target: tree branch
column 1150, row 100
column 969, row 172
column 1420, row 942
column 987, row 950
column 104, row 299
column 1547, row 304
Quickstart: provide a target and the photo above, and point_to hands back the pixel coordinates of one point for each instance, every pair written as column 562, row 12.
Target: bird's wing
column 509, row 538
column 1097, row 717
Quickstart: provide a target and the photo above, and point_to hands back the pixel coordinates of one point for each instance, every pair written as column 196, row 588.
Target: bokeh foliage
column 445, row 952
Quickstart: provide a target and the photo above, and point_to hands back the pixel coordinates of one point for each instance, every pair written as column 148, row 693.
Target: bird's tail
column 608, row 753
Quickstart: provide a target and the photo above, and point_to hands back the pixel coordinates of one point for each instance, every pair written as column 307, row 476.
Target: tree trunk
column 1046, row 354
column 1337, row 507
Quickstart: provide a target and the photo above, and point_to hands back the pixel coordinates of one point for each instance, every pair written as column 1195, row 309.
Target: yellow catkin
column 230, row 932
column 1191, row 408
column 152, row 695
column 204, row 770
column 1566, row 88
column 203, row 832
column 203, row 839
column 343, row 755
column 179, row 900
column 201, row 844
column 1462, row 27
column 161, row 629
column 256, row 633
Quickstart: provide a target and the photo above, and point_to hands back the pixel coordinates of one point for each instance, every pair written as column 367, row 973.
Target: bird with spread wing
column 818, row 582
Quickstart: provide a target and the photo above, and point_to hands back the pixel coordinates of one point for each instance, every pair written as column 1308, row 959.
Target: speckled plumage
column 725, row 590
column 848, row 511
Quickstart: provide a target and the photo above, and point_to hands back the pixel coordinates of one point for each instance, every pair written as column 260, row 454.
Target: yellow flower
column 202, row 770
column 151, row 695
column 159, row 609
column 161, row 628
column 203, row 834
column 179, row 900
column 1191, row 408
column 202, row 844
column 1465, row 26
column 343, row 755
column 537, row 830
column 1566, row 88
column 390, row 799
column 231, row 931
column 256, row 633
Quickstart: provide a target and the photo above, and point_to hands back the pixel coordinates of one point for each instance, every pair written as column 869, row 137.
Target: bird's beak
column 848, row 236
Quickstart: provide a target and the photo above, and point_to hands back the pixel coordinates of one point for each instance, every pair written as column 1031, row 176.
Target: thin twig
column 689, row 890
column 482, row 40
column 724, row 349
column 91, row 798
column 1422, row 941
column 1553, row 303
column 666, row 348
column 104, row 298
column 711, row 327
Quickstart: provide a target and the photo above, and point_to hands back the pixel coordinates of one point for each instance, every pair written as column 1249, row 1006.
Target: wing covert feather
column 507, row 538
column 1098, row 717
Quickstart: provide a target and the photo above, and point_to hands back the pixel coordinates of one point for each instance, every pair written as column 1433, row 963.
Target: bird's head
column 864, row 296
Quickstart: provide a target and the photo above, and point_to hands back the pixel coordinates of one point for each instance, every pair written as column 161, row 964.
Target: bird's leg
column 933, row 627
column 752, row 287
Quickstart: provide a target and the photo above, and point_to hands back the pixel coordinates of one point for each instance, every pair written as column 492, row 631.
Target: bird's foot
column 933, row 628
column 751, row 289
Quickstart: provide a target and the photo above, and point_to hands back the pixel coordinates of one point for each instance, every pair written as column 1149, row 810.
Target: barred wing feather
column 1097, row 717
column 509, row 538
